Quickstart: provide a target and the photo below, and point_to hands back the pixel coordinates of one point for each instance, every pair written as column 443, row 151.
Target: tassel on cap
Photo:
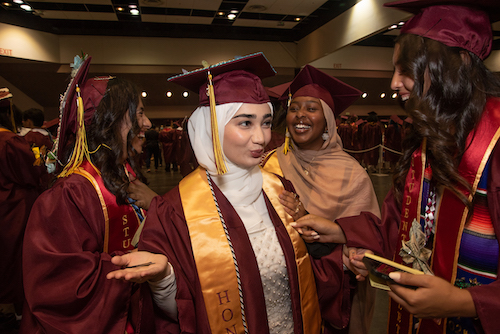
column 220, row 162
column 286, row 146
column 80, row 150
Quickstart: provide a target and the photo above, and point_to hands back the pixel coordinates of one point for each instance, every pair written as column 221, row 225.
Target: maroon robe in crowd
column 381, row 235
column 393, row 138
column 36, row 138
column 167, row 137
column 345, row 132
column 20, row 185
column 372, row 136
column 166, row 232
column 65, row 266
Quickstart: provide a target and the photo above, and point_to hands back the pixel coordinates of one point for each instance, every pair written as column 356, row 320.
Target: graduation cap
column 78, row 105
column 236, row 80
column 455, row 23
column 312, row 82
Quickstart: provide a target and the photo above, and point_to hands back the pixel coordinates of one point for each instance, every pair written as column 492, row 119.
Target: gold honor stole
column 214, row 260
column 272, row 164
column 121, row 221
column 451, row 215
column 4, row 130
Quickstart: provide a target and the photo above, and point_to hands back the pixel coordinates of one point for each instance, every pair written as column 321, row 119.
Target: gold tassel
column 219, row 156
column 287, row 145
column 81, row 149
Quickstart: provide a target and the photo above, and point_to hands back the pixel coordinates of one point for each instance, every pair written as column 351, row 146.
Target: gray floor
column 162, row 181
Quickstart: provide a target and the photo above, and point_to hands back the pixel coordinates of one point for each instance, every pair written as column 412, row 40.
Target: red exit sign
column 5, row 52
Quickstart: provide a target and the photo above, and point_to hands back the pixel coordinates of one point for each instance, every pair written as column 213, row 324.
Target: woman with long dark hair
column 85, row 218
column 442, row 214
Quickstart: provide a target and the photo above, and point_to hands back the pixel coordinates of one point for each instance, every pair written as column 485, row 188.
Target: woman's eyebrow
column 246, row 116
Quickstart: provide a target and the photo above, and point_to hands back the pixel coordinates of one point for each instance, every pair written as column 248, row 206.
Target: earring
column 325, row 135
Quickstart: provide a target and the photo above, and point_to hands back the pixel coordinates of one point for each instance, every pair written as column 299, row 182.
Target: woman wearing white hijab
column 236, row 263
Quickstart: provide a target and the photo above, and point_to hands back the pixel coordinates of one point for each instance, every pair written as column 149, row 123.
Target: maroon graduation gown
column 20, row 184
column 380, row 235
column 166, row 232
column 65, row 267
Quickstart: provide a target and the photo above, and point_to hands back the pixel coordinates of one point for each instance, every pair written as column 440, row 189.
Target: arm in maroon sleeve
column 65, row 267
column 369, row 232
column 487, row 297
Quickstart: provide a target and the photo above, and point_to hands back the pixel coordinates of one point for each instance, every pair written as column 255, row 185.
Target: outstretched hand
column 140, row 266
column 141, row 193
column 433, row 297
column 293, row 205
column 317, row 229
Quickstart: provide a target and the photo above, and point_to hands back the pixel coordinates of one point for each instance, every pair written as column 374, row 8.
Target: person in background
column 152, row 148
column 372, row 137
column 330, row 183
column 86, row 217
column 236, row 264
column 442, row 214
column 166, row 138
column 36, row 136
column 21, row 182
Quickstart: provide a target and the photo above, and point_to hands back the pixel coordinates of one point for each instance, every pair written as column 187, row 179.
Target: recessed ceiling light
column 6, row 4
column 120, row 9
column 394, row 95
column 231, row 16
column 168, row 94
column 364, row 95
column 18, row 1
column 185, row 93
column 132, row 6
column 234, row 11
column 26, row 7
column 134, row 11
column 297, row 19
column 382, row 95
column 401, row 23
column 144, row 94
column 394, row 26
column 220, row 13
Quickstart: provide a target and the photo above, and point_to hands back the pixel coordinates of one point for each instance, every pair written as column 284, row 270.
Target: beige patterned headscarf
column 330, row 182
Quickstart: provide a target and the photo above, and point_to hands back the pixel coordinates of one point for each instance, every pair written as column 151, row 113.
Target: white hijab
column 241, row 186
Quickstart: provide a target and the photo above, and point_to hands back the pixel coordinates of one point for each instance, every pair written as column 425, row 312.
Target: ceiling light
column 234, row 11
column 26, row 7
column 364, row 95
column 6, row 4
column 185, row 94
column 401, row 23
column 394, row 95
column 297, row 19
column 120, row 9
column 132, row 6
column 134, row 11
column 144, row 94
column 220, row 13
column 394, row 26
column 168, row 94
column 231, row 16
column 18, row 1
column 382, row 95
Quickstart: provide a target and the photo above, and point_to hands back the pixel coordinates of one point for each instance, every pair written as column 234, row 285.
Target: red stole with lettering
column 121, row 221
column 451, row 215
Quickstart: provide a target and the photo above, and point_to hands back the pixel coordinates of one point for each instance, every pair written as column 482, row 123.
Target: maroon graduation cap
column 236, row 80
column 455, row 23
column 312, row 82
